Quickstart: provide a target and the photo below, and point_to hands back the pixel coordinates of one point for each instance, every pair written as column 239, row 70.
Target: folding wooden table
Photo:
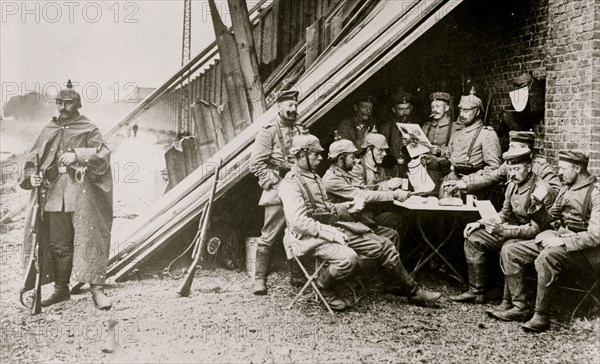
column 455, row 211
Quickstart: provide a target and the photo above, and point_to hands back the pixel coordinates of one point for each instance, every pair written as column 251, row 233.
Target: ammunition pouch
column 323, row 217
column 52, row 173
column 464, row 168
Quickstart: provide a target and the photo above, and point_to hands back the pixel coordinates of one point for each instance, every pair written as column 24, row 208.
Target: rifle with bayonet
column 34, row 274
column 200, row 238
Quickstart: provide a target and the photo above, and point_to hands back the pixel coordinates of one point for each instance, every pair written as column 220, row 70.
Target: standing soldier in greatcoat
column 77, row 210
column 270, row 161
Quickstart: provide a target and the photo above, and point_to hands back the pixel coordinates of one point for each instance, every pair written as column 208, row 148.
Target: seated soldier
column 317, row 227
column 342, row 187
column 571, row 243
column 486, row 178
column 370, row 174
column 482, row 237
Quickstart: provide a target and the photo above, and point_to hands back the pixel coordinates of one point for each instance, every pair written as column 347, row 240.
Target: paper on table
column 487, row 211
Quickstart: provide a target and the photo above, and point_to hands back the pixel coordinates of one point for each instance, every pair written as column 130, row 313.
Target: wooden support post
column 190, row 154
column 234, row 83
column 218, row 83
column 314, row 42
column 242, row 31
column 175, row 162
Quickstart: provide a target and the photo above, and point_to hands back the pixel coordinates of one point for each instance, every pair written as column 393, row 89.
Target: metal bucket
column 251, row 246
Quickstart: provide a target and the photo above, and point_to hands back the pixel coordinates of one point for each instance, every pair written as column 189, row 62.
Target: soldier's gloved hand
column 355, row 206
column 470, row 228
column 400, row 195
column 67, row 158
column 35, row 180
column 394, row 183
column 458, row 185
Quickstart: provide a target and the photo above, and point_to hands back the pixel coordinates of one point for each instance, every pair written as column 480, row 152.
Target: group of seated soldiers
column 344, row 220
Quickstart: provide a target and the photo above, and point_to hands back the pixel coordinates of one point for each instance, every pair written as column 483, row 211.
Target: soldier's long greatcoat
column 92, row 215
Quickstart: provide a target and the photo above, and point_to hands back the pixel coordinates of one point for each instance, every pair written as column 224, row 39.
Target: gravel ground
column 223, row 322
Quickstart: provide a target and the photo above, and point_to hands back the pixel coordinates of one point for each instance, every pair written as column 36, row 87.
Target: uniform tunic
column 89, row 201
column 486, row 178
column 392, row 134
column 270, row 160
column 439, row 132
column 580, row 235
column 305, row 235
column 355, row 129
column 516, row 222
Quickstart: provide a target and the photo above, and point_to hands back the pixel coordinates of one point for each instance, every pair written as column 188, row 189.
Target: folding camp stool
column 309, row 279
column 588, row 293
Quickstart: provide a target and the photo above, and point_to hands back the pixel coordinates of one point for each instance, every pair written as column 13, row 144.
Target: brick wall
column 572, row 118
column 557, row 41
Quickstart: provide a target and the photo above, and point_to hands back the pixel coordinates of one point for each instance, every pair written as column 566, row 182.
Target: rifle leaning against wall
column 34, row 273
column 200, row 238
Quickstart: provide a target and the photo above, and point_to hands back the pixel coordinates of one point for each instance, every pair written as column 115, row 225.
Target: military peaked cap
column 517, row 156
column 441, row 96
column 288, row 95
column 527, row 137
column 401, row 98
column 574, row 156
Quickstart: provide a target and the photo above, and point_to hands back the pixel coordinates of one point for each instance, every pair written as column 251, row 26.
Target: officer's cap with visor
column 517, row 156
column 526, row 137
column 68, row 94
column 440, row 96
column 288, row 95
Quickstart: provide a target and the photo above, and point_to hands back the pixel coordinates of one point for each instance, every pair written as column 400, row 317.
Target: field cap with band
column 574, row 156
column 305, row 141
column 527, row 137
column 440, row 96
column 400, row 98
column 470, row 102
column 375, row 140
column 341, row 146
column 517, row 156
column 288, row 95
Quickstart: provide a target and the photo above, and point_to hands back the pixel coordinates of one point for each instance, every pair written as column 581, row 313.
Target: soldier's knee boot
column 417, row 295
column 63, row 264
column 475, row 292
column 297, row 278
column 325, row 283
column 540, row 321
column 505, row 305
column 521, row 310
column 263, row 260
column 99, row 297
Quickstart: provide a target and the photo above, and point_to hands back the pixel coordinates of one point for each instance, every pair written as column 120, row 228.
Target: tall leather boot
column 63, row 264
column 297, row 278
column 263, row 260
column 521, row 310
column 506, row 303
column 100, row 299
column 325, row 283
column 540, row 321
column 476, row 285
column 417, row 295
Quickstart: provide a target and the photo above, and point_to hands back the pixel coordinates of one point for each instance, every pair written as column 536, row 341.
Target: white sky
column 102, row 45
